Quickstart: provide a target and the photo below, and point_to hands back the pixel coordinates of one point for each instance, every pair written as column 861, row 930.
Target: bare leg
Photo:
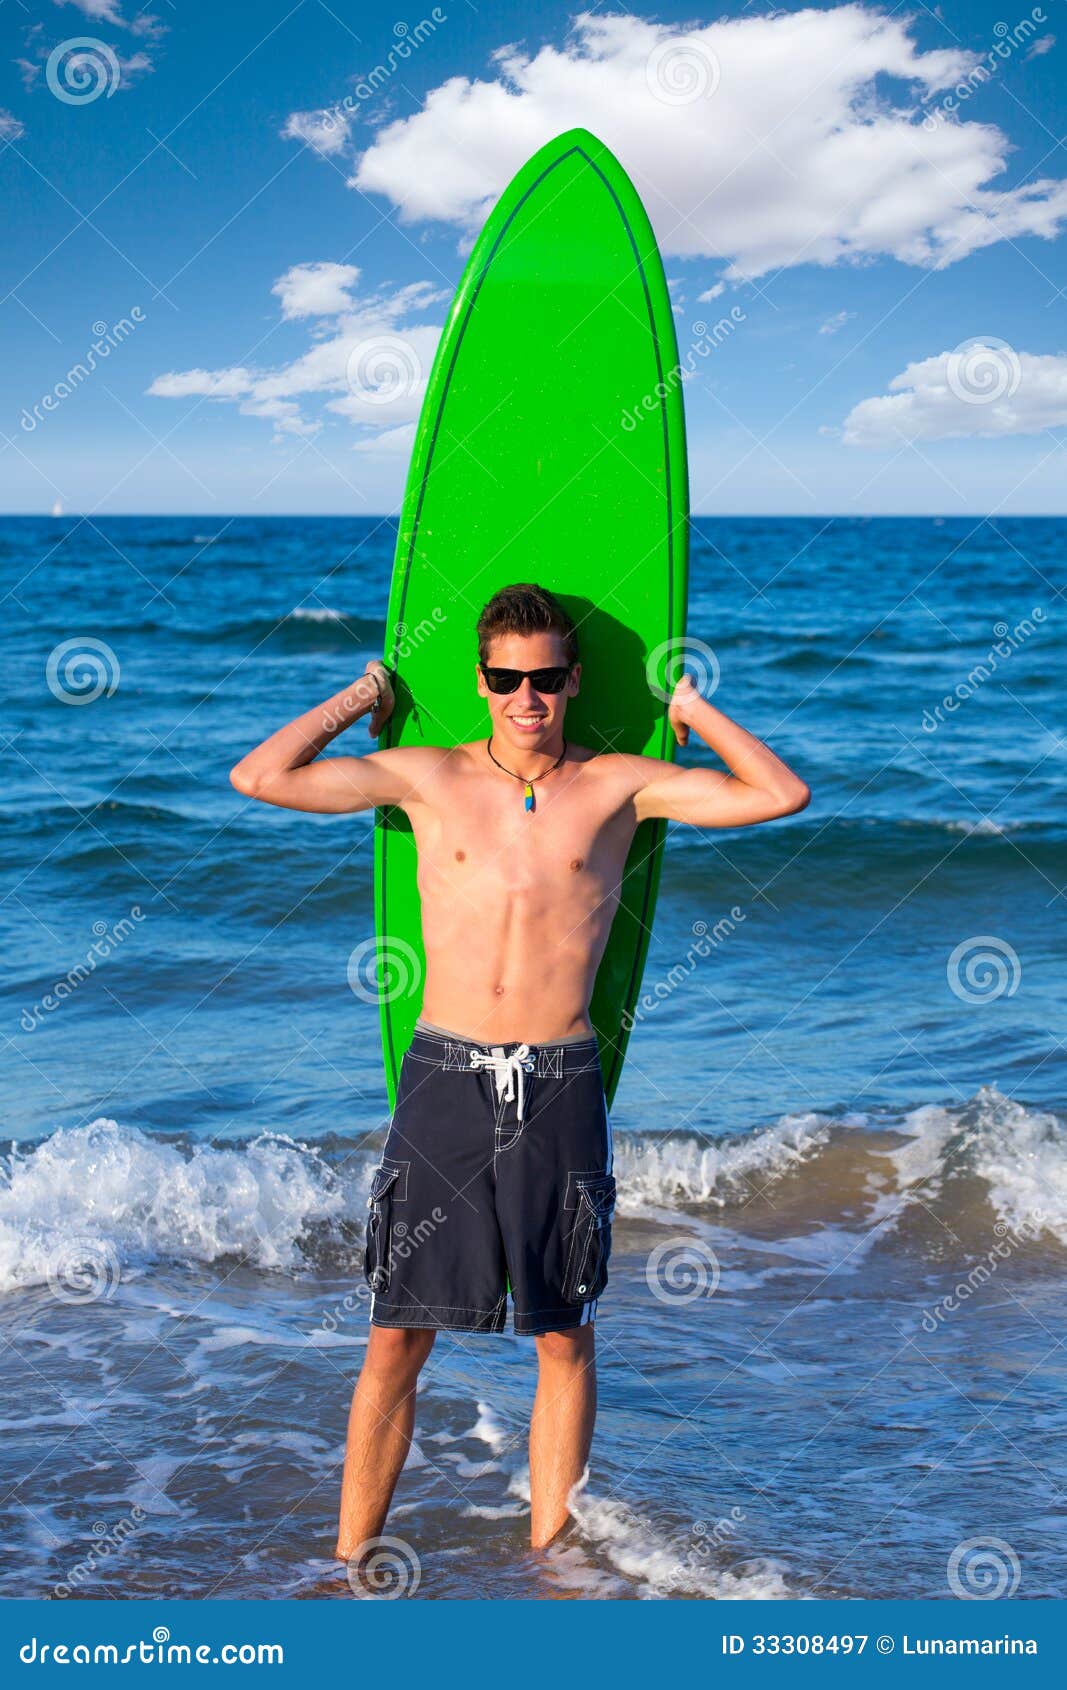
column 561, row 1427
column 380, row 1424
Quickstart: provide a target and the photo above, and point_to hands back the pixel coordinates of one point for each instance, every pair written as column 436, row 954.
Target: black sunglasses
column 510, row 680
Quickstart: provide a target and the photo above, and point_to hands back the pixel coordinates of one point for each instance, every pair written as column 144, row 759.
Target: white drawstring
column 505, row 1069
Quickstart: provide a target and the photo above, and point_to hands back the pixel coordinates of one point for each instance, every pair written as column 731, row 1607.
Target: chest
column 566, row 844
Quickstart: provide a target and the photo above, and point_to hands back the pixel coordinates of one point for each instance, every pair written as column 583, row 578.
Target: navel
column 579, row 862
column 461, row 856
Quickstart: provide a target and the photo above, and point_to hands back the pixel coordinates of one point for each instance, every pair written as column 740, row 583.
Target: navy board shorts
column 496, row 1177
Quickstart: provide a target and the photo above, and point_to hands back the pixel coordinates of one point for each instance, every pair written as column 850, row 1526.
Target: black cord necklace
column 528, row 785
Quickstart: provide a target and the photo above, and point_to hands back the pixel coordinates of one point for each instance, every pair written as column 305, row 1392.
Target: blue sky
column 245, row 203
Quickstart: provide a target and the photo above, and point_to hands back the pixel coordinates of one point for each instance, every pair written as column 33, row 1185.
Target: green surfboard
column 550, row 448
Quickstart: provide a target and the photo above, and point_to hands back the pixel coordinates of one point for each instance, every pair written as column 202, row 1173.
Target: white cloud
column 138, row 64
column 110, row 11
column 368, row 361
column 101, row 11
column 210, row 384
column 10, row 127
column 146, row 23
column 396, row 442
column 316, row 290
column 1044, row 44
column 982, row 388
column 98, row 61
column 837, row 321
column 764, row 141
column 325, row 130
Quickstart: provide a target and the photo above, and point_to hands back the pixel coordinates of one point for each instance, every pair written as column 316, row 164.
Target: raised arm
column 288, row 770
column 758, row 788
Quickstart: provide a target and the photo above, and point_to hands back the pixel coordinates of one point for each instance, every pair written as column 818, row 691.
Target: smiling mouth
column 528, row 721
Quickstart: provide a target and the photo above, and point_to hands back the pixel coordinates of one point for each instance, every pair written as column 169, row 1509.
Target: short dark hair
column 526, row 609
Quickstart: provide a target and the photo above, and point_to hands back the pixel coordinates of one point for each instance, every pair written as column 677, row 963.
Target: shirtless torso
column 517, row 907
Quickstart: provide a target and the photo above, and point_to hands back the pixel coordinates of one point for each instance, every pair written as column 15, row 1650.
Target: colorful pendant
column 528, row 797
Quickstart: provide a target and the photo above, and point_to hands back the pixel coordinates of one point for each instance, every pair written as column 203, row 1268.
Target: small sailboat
column 57, row 508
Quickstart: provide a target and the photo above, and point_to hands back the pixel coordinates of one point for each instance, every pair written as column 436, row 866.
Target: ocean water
column 831, row 1349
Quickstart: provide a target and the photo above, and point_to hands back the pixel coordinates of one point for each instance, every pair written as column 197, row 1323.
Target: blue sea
column 832, row 1346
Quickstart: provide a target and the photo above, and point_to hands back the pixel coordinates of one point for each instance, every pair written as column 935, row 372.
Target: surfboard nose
column 582, row 139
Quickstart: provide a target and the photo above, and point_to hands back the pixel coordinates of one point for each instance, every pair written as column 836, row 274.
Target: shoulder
column 628, row 771
column 422, row 770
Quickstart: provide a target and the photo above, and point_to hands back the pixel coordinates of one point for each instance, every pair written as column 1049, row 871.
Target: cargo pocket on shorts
column 384, row 1192
column 590, row 1246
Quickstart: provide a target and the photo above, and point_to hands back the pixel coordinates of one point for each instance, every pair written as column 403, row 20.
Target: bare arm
column 758, row 788
column 288, row 770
